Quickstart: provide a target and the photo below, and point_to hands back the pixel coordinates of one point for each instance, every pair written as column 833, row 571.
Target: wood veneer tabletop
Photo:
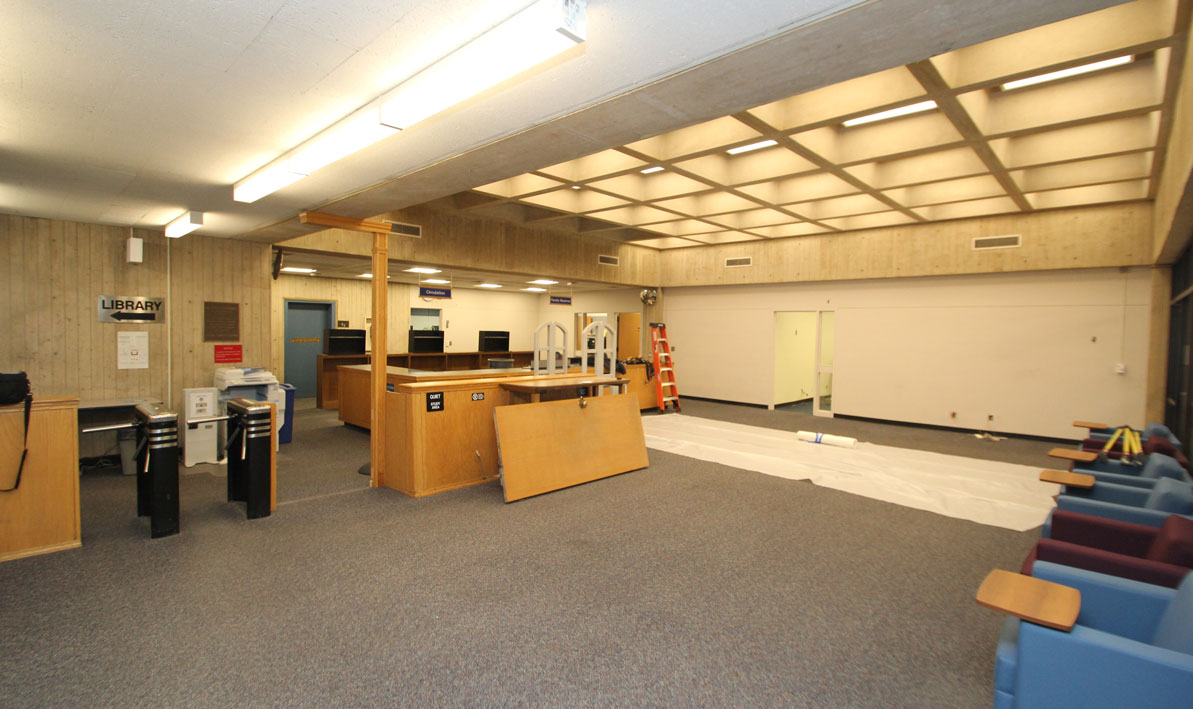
column 1073, row 454
column 1066, row 477
column 1035, row 600
column 562, row 383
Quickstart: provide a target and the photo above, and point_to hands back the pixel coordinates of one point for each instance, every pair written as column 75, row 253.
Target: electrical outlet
column 1120, row 368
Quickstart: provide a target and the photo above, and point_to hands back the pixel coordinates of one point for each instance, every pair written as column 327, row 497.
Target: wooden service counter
column 356, row 384
column 327, row 387
column 440, row 434
column 42, row 515
column 643, row 390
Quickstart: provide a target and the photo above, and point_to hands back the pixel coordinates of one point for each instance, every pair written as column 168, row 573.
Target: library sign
column 131, row 309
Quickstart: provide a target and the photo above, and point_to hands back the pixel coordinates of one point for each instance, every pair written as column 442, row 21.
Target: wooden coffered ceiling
column 1094, row 138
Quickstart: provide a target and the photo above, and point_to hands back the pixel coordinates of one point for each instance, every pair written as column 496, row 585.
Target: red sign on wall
column 229, row 353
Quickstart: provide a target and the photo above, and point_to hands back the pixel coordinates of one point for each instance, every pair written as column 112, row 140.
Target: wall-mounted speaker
column 134, row 250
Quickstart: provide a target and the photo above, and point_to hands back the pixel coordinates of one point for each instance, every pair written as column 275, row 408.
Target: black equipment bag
column 14, row 388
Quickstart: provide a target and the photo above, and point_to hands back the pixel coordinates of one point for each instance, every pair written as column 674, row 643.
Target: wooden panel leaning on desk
column 42, row 515
column 327, row 385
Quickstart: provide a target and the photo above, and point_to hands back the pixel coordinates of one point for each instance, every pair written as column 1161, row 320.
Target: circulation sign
column 131, row 309
column 426, row 292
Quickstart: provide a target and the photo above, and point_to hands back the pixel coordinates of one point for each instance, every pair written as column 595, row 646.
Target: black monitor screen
column 493, row 341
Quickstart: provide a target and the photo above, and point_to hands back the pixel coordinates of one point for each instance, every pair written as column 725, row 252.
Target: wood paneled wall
column 451, row 239
column 1086, row 237
column 354, row 303
column 52, row 273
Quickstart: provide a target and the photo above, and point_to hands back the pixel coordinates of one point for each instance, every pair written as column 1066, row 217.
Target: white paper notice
column 132, row 350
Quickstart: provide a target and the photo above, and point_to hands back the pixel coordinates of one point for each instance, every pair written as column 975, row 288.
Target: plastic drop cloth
column 983, row 491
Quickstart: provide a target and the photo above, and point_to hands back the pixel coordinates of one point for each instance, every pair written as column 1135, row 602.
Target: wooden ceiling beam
column 336, row 221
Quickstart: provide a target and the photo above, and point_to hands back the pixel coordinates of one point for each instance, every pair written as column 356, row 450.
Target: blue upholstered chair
column 1132, row 646
column 1156, row 466
column 1129, row 504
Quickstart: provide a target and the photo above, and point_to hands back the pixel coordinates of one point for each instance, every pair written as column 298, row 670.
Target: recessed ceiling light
column 1065, row 73
column 893, row 113
column 532, row 289
column 752, row 146
column 656, row 168
column 422, row 269
column 487, row 285
column 297, row 269
column 543, row 282
column 436, row 281
column 575, row 187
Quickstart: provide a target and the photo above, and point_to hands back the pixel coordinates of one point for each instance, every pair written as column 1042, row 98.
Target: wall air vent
column 608, row 260
column 405, row 229
column 997, row 242
column 739, row 261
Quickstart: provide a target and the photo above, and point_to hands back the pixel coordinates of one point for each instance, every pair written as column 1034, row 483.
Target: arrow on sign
column 134, row 316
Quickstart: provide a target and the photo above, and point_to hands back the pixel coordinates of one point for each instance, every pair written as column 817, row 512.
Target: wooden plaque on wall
column 221, row 322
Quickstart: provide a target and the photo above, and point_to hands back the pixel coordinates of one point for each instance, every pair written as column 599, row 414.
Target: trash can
column 287, row 428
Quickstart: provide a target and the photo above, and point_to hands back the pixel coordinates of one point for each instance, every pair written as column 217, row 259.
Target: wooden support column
column 380, row 358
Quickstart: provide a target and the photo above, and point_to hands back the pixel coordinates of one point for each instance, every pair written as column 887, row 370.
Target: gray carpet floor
column 687, row 583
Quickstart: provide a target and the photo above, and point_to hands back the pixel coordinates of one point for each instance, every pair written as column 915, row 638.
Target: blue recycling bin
column 287, row 428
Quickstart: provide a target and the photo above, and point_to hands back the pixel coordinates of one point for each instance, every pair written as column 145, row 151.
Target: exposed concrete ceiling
column 129, row 112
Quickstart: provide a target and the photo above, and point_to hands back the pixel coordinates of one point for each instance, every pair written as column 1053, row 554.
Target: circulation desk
column 440, row 434
column 356, row 384
column 327, row 388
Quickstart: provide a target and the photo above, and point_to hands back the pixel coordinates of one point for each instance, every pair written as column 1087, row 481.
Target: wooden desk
column 327, row 388
column 1065, row 477
column 356, row 385
column 42, row 515
column 1073, row 454
column 639, row 387
column 561, row 387
column 1041, row 602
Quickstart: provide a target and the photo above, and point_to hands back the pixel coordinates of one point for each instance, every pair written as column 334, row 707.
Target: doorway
column 305, row 322
column 803, row 345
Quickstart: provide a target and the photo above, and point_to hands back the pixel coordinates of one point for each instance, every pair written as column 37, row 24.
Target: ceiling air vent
column 997, row 242
column 739, row 261
column 608, row 260
column 405, row 229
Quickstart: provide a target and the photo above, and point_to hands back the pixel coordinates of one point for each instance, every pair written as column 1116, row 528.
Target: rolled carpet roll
column 827, row 439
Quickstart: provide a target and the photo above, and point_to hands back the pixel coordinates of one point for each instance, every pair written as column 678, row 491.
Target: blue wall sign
column 561, row 300
column 425, row 292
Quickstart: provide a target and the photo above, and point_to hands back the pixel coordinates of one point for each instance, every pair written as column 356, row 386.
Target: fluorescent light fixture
column 188, row 222
column 487, row 285
column 1065, row 73
column 422, row 269
column 341, row 140
column 532, row 36
column 893, row 113
column 752, row 146
column 532, row 289
column 265, row 181
column 363, row 275
column 575, row 187
column 436, row 281
column 297, row 269
column 543, row 282
column 528, row 38
column 649, row 170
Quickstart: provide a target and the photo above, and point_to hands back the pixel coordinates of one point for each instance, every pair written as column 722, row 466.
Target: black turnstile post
column 250, row 441
column 157, row 469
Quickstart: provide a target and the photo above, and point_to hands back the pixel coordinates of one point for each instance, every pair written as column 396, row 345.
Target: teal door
column 305, row 322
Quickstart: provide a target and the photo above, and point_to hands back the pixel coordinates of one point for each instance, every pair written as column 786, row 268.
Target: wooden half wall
column 464, row 241
column 52, row 273
column 1087, row 237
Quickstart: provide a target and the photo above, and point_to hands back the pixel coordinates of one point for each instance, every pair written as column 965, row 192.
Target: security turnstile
column 250, row 455
column 157, row 469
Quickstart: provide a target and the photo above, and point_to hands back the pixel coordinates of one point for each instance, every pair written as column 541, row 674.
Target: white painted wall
column 795, row 356
column 1034, row 350
column 469, row 311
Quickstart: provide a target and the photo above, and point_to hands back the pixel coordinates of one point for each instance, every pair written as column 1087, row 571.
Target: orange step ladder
column 665, row 387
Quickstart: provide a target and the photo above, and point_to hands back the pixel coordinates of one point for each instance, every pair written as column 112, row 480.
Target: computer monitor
column 493, row 341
